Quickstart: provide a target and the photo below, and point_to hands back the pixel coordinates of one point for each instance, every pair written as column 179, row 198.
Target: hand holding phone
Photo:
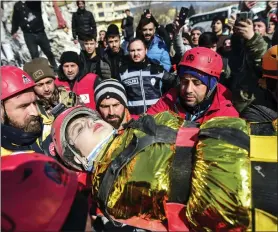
column 243, row 16
column 183, row 15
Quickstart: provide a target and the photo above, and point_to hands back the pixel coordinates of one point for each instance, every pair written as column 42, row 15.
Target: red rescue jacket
column 84, row 88
column 220, row 106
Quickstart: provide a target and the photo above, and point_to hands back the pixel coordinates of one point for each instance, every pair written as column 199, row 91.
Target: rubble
column 15, row 51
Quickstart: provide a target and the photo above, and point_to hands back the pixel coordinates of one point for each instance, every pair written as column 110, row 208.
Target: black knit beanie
column 69, row 56
column 110, row 88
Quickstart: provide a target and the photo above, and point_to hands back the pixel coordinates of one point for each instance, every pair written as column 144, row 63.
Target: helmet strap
column 6, row 118
column 210, row 92
column 87, row 162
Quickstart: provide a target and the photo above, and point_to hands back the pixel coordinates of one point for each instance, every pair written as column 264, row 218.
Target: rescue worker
column 71, row 75
column 48, row 94
column 199, row 97
column 54, row 204
column 21, row 124
column 261, row 104
column 151, row 172
column 111, row 103
column 144, row 79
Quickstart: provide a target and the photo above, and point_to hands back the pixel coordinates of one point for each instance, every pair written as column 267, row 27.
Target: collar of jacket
column 156, row 39
column 220, row 99
column 138, row 65
column 109, row 53
column 16, row 139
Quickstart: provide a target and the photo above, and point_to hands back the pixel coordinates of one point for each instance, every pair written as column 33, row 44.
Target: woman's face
column 85, row 133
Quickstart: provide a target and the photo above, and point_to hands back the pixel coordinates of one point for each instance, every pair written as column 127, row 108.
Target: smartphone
column 183, row 15
column 243, row 16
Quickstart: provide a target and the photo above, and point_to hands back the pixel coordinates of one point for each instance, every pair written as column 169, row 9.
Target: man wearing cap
column 199, row 97
column 48, row 94
column 73, row 76
column 21, row 124
column 111, row 103
column 113, row 56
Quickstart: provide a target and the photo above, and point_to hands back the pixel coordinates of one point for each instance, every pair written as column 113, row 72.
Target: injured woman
column 167, row 174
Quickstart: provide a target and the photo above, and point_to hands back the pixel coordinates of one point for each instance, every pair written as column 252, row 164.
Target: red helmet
column 14, row 81
column 58, row 132
column 37, row 193
column 204, row 60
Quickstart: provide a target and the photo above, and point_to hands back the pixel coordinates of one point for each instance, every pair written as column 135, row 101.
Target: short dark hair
column 145, row 21
column 134, row 40
column 127, row 10
column 220, row 18
column 77, row 2
column 89, row 38
column 207, row 39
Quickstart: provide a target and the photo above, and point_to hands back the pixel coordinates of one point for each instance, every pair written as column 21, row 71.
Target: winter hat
column 39, row 69
column 209, row 81
column 69, row 56
column 110, row 88
column 202, row 30
column 112, row 30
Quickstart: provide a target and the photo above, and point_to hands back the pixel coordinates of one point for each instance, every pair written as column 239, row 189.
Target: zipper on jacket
column 143, row 92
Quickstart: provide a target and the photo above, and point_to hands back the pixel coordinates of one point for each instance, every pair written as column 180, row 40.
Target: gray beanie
column 110, row 88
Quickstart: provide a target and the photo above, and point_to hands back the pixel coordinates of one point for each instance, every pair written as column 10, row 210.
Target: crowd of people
column 173, row 129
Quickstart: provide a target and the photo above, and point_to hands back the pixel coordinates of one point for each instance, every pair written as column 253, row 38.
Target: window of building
column 108, row 5
column 109, row 14
column 99, row 5
column 101, row 14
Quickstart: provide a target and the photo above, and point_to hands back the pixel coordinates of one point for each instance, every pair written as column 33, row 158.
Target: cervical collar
column 87, row 162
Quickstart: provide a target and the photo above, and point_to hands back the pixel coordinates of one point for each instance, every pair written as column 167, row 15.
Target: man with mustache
column 199, row 97
column 157, row 49
column 48, row 94
column 143, row 79
column 21, row 124
column 111, row 103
